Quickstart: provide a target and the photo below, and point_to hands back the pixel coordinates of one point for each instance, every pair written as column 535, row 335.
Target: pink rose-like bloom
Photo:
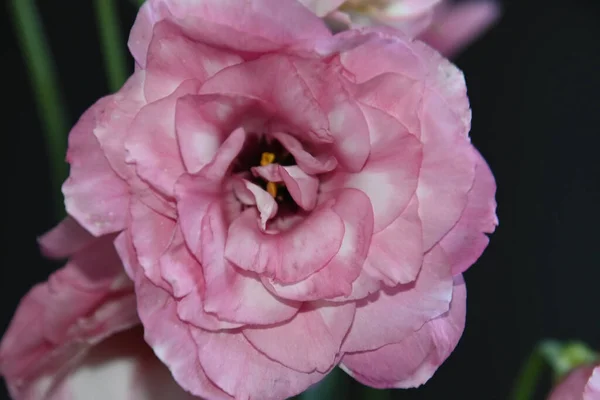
column 74, row 337
column 283, row 200
column 583, row 383
column 445, row 26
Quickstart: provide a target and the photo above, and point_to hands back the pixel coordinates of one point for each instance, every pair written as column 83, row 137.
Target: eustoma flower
column 283, row 200
column 443, row 25
column 583, row 383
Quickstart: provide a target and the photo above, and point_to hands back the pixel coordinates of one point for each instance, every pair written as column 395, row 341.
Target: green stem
column 111, row 39
column 44, row 82
column 524, row 388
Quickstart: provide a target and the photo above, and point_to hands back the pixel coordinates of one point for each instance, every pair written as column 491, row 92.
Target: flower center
column 363, row 6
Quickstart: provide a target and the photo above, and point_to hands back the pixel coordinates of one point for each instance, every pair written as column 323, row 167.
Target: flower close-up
column 282, row 200
column 443, row 24
column 583, row 383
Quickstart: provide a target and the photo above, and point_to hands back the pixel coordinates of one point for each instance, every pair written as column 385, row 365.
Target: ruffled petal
column 337, row 277
column 173, row 58
column 94, row 194
column 390, row 175
column 151, row 235
column 171, row 340
column 413, row 361
column 289, row 256
column 393, row 314
column 317, row 332
column 465, row 243
column 310, row 164
column 152, row 145
column 258, row 26
column 58, row 321
column 247, row 373
column 65, row 239
column 233, row 294
column 195, row 193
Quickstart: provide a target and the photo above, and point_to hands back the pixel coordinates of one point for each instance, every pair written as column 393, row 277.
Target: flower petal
column 94, row 194
column 173, row 58
column 393, row 314
column 322, row 7
column 310, row 164
column 65, row 239
column 57, row 321
column 302, row 187
column 289, row 256
column 183, row 272
column 171, row 340
column 151, row 235
column 127, row 363
column 233, row 294
column 247, row 373
column 258, row 26
column 336, row 278
column 266, row 204
column 465, row 243
column 413, row 361
column 396, row 253
column 152, row 145
column 195, row 193
column 457, row 25
column 390, row 175
column 317, row 332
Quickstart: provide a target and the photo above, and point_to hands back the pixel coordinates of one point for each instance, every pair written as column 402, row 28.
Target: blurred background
column 534, row 82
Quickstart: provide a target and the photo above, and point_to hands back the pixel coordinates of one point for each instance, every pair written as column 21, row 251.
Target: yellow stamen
column 266, row 158
column 272, row 189
column 363, row 6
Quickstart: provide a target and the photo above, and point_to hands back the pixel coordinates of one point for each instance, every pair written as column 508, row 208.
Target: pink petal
column 289, row 256
column 183, row 272
column 113, row 130
column 302, row 187
column 410, row 8
column 151, row 235
column 413, row 361
column 174, row 58
column 65, row 239
column 259, row 26
column 127, row 364
column 232, row 294
column 94, row 194
column 391, row 174
column 393, row 314
column 445, row 180
column 336, row 278
column 467, row 239
column 152, row 145
column 124, row 247
column 266, row 204
column 317, row 332
column 171, row 340
column 396, row 253
column 456, row 26
column 309, row 164
column 583, row 383
column 247, row 374
column 57, row 321
column 592, row 389
column 195, row 193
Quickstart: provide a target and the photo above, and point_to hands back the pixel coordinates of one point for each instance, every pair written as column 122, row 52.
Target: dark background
column 533, row 81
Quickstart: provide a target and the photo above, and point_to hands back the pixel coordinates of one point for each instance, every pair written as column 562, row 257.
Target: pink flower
column 446, row 27
column 284, row 200
column 74, row 337
column 583, row 383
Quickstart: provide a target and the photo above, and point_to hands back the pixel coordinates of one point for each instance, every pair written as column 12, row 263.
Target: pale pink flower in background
column 446, row 26
column 74, row 337
column 583, row 383
column 284, row 200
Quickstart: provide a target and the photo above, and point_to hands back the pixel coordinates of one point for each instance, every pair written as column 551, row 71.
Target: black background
column 533, row 82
